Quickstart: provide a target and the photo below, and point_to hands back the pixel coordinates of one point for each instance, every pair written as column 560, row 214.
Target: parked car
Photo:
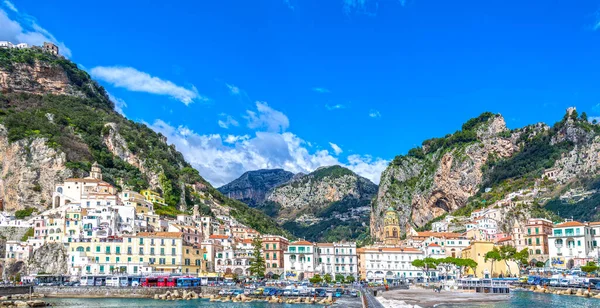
column 338, row 292
column 295, row 292
column 354, row 293
column 287, row 292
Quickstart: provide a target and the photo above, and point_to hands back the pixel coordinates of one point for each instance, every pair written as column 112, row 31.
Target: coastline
column 426, row 298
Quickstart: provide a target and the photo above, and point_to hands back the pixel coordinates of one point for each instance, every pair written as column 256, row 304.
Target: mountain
column 253, row 186
column 329, row 204
column 55, row 121
column 530, row 171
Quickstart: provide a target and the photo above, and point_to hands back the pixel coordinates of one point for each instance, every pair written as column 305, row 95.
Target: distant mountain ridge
column 252, row 187
column 328, row 204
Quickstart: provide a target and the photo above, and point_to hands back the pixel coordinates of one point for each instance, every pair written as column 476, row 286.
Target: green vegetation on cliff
column 76, row 125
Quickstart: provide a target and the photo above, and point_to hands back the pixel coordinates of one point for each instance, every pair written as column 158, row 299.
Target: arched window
column 395, row 232
column 80, row 248
column 59, row 190
column 87, row 249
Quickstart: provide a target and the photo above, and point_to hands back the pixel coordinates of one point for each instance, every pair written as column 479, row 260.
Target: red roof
column 302, row 243
column 219, row 237
column 434, row 245
column 569, row 224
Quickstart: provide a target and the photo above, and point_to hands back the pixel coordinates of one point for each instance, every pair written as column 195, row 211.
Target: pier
column 494, row 286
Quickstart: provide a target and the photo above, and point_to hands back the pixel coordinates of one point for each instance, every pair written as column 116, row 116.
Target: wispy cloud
column 267, row 117
column 134, row 80
column 596, row 25
column 321, row 90
column 221, row 159
column 289, row 4
column 233, row 89
column 334, row 107
column 18, row 27
column 227, row 121
column 374, row 113
column 366, row 7
column 10, row 6
column 336, row 148
column 120, row 104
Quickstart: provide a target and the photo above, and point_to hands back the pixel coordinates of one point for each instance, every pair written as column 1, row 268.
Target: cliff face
column 423, row 187
column 55, row 121
column 253, row 186
column 38, row 78
column 319, row 189
column 50, row 258
column 29, row 170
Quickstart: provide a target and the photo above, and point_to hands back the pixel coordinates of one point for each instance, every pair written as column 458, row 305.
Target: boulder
column 37, row 303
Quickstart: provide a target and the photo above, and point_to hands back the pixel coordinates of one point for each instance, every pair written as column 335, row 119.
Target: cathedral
column 391, row 227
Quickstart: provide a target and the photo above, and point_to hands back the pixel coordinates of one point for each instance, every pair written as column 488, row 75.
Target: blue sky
column 242, row 85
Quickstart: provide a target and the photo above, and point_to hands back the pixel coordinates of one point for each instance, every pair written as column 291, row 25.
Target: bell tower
column 391, row 227
column 96, row 173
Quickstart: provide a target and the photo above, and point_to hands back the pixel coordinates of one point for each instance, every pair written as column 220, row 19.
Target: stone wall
column 12, row 290
column 116, row 292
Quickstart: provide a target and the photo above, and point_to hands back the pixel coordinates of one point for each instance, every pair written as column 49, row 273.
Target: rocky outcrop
column 319, row 189
column 422, row 188
column 253, row 186
column 39, row 78
column 50, row 258
column 117, row 145
column 29, row 169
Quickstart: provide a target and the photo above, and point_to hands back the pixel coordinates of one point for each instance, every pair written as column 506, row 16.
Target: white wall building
column 299, row 261
column 337, row 258
column 573, row 244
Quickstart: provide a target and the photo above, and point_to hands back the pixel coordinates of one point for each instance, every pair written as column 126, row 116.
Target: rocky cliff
column 50, row 258
column 446, row 174
column 253, row 186
column 55, row 121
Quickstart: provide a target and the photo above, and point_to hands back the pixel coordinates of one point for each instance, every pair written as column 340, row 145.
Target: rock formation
column 253, row 186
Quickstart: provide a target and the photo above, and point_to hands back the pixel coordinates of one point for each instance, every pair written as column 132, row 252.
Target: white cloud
column 134, row 80
column 23, row 28
column 334, row 107
column 591, row 119
column 221, row 159
column 267, row 117
column 228, row 121
column 374, row 113
column 10, row 6
column 289, row 4
column 336, row 148
column 321, row 90
column 233, row 89
column 120, row 104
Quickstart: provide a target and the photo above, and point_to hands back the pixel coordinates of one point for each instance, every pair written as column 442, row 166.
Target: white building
column 391, row 264
column 7, row 44
column 18, row 251
column 337, row 259
column 573, row 244
column 299, row 261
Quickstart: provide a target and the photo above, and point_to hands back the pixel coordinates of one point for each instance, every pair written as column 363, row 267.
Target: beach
column 429, row 298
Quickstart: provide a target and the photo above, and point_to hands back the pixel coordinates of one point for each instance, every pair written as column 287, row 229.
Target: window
column 162, row 251
column 141, row 241
column 97, row 248
column 173, row 251
column 152, row 251
column 558, row 232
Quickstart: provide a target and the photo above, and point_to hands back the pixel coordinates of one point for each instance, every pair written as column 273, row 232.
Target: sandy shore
column 429, row 298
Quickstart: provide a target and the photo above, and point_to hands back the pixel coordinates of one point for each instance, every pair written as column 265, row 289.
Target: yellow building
column 391, row 227
column 153, row 196
column 148, row 251
column 476, row 251
column 193, row 260
column 140, row 202
column 73, row 225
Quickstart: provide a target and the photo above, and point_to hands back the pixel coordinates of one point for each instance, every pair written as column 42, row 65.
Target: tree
column 521, row 258
column 426, row 264
column 327, row 278
column 257, row 264
column 584, row 116
column 507, row 253
column 350, row 279
column 539, row 264
column 493, row 255
column 589, row 267
column 339, row 278
column 316, row 279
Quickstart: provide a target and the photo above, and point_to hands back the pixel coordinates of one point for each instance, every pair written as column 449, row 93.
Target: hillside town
column 107, row 232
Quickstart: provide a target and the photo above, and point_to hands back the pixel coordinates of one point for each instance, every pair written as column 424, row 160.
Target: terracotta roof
column 504, row 239
column 219, row 237
column 301, row 243
column 569, row 224
column 160, row 234
column 247, row 241
column 434, row 245
column 325, row 244
column 438, row 234
column 594, row 223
